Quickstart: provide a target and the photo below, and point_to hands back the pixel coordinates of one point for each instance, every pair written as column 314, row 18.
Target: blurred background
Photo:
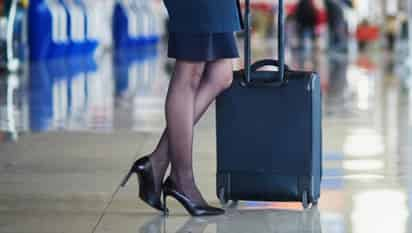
column 83, row 85
column 58, row 56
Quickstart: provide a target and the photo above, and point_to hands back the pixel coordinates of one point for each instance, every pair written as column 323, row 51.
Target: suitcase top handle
column 281, row 45
column 266, row 62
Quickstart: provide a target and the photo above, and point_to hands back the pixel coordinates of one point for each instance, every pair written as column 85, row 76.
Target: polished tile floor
column 71, row 129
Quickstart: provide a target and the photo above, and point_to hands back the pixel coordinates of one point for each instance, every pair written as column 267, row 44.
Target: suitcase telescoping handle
column 251, row 74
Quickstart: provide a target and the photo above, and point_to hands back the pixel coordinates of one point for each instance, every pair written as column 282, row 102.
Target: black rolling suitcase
column 269, row 137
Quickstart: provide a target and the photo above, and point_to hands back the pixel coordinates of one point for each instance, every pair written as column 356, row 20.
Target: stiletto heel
column 191, row 207
column 126, row 178
column 147, row 190
column 165, row 209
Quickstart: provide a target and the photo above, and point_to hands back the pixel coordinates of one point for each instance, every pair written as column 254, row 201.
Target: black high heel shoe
column 147, row 190
column 169, row 189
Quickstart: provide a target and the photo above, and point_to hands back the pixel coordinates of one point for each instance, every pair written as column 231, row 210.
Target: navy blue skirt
column 202, row 46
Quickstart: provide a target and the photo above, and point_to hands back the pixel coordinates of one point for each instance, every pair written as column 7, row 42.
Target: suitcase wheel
column 222, row 197
column 305, row 200
column 233, row 204
column 224, row 200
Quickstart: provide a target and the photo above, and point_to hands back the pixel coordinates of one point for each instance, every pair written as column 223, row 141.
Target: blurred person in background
column 349, row 3
column 306, row 20
column 404, row 27
column 336, row 26
column 366, row 33
column 391, row 31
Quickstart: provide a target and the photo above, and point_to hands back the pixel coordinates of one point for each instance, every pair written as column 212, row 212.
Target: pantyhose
column 192, row 89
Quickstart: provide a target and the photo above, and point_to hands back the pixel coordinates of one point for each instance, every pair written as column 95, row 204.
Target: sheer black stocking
column 190, row 94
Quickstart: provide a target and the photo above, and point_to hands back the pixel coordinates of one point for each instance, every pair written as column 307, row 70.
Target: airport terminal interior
column 77, row 108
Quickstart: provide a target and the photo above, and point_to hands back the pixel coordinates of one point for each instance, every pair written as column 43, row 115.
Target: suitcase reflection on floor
column 242, row 221
column 254, row 205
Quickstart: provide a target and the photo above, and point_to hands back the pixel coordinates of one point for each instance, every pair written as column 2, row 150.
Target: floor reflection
column 126, row 89
column 71, row 95
column 367, row 216
column 81, row 94
column 238, row 220
column 141, row 84
column 13, row 107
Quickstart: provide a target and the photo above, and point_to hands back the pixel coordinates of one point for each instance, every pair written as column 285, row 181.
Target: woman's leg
column 180, row 104
column 216, row 78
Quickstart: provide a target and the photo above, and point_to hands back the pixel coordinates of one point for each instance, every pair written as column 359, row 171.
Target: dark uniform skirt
column 202, row 46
